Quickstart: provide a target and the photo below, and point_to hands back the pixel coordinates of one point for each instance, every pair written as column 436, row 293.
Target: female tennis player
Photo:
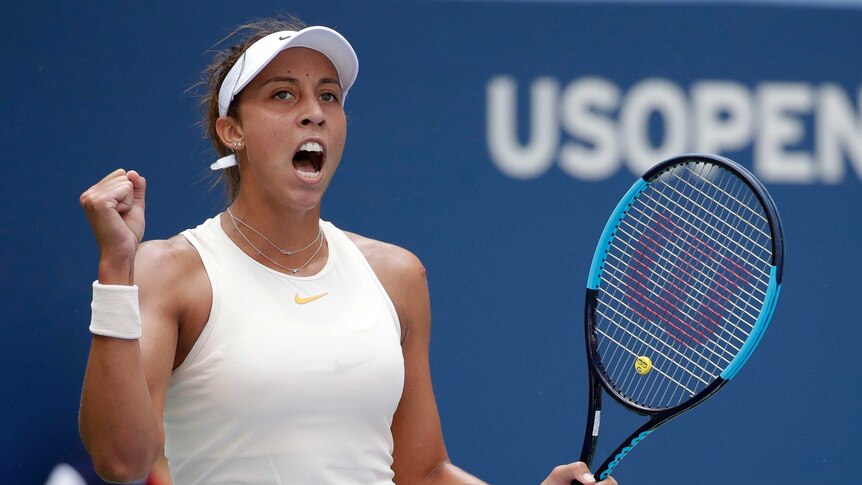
column 266, row 345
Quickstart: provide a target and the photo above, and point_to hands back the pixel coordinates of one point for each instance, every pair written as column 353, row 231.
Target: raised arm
column 126, row 378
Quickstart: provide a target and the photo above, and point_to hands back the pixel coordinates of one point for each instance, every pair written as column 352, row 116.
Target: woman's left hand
column 578, row 471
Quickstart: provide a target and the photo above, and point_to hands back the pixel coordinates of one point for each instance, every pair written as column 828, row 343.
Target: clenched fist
column 115, row 209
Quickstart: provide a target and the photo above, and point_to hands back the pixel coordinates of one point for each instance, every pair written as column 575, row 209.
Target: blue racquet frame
column 598, row 375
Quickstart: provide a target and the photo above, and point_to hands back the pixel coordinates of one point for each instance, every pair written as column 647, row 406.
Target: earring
column 237, row 144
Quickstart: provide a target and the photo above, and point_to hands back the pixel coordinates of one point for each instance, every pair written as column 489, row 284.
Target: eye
column 329, row 97
column 283, row 95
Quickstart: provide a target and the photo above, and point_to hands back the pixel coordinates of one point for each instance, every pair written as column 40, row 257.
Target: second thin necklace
column 319, row 237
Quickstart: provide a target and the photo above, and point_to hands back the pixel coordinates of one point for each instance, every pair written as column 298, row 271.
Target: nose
column 312, row 114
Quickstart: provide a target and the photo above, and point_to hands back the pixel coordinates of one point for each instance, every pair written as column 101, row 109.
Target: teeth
column 308, row 175
column 311, row 146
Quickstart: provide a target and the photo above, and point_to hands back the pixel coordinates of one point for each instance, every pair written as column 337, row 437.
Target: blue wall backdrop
column 492, row 139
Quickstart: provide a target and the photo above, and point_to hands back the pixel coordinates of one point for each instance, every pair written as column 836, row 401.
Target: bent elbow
column 119, row 459
column 123, row 467
column 120, row 471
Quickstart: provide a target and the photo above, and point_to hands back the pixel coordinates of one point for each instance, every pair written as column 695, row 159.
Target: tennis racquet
column 682, row 286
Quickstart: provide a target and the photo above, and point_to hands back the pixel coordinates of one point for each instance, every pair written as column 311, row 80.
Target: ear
column 230, row 132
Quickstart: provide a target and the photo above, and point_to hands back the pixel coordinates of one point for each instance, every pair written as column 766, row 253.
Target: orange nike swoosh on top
column 302, row 301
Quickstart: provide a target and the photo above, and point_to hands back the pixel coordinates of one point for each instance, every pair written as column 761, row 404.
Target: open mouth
column 308, row 160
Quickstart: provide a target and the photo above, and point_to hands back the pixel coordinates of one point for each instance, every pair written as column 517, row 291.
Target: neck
column 284, row 226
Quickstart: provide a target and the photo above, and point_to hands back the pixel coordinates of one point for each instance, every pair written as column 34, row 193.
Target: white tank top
column 293, row 380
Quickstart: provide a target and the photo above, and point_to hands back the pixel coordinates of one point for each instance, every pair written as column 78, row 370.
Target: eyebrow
column 293, row 80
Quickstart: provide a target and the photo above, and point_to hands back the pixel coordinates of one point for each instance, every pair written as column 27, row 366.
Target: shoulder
column 392, row 263
column 166, row 258
column 403, row 277
column 170, row 271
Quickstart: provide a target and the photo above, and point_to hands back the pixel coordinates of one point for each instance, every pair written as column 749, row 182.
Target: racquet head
column 682, row 286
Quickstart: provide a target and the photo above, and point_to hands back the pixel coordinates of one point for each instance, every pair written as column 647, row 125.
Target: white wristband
column 116, row 312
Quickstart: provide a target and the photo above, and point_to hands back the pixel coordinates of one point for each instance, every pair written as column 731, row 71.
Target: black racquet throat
column 682, row 286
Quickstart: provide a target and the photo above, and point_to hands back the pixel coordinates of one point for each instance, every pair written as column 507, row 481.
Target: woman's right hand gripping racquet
column 682, row 287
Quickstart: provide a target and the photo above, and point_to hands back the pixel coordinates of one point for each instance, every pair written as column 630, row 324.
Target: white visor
column 322, row 39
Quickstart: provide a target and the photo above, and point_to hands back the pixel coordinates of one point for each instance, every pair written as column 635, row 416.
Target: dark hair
column 214, row 74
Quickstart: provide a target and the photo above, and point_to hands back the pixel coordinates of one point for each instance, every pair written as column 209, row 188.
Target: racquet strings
column 683, row 283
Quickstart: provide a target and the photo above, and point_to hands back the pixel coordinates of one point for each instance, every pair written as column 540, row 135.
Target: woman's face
column 294, row 129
